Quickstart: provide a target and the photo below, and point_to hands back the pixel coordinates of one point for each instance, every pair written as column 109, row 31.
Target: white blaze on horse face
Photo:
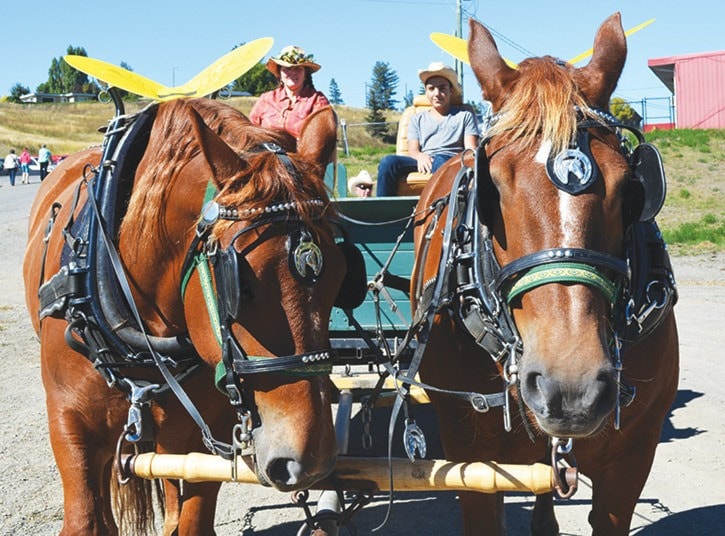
column 569, row 223
column 567, row 217
column 542, row 155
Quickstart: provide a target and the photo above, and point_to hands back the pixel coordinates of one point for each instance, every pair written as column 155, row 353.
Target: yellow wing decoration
column 458, row 48
column 226, row 69
column 220, row 73
column 584, row 55
column 116, row 76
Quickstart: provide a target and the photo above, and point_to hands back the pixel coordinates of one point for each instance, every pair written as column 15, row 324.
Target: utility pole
column 459, row 34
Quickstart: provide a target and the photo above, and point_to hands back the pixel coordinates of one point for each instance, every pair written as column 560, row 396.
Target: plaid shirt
column 274, row 109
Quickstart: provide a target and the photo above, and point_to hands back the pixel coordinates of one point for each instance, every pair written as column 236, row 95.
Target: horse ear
column 490, row 69
column 222, row 159
column 599, row 77
column 318, row 138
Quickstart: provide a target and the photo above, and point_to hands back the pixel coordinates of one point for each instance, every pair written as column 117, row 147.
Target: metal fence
column 655, row 110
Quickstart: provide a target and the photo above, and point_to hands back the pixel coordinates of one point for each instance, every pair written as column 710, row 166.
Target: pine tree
column 376, row 118
column 383, row 86
column 334, row 93
column 379, row 97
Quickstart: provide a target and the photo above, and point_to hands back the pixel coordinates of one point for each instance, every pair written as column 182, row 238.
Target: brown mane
column 542, row 105
column 262, row 180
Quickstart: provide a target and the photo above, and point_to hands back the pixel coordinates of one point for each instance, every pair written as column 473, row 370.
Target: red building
column 697, row 82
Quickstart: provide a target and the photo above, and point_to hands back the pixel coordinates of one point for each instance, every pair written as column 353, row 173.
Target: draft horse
column 196, row 253
column 543, row 272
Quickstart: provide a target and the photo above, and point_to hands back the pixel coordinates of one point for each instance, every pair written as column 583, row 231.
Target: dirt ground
column 685, row 494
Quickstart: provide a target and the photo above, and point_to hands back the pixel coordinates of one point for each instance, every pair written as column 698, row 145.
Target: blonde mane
column 541, row 105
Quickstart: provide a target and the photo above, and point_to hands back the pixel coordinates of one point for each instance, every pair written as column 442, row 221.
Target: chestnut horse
column 554, row 187
column 264, row 248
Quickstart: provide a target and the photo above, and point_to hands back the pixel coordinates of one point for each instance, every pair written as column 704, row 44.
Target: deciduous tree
column 624, row 112
column 17, row 91
column 255, row 81
column 62, row 78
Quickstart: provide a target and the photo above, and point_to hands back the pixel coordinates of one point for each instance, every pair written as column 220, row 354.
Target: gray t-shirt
column 445, row 137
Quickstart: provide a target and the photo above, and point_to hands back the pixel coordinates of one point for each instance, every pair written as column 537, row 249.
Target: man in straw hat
column 361, row 185
column 434, row 136
column 287, row 106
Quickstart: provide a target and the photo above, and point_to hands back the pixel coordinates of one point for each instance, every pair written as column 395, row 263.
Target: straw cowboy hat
column 292, row 56
column 361, row 178
column 438, row 68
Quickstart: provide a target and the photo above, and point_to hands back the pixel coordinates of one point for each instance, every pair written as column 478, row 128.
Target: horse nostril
column 284, row 471
column 535, row 392
column 532, row 381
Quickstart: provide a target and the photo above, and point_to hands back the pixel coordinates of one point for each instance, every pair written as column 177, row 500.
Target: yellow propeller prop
column 458, row 48
column 220, row 73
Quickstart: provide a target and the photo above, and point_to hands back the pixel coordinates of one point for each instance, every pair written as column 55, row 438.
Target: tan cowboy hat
column 361, row 178
column 292, row 56
column 438, row 68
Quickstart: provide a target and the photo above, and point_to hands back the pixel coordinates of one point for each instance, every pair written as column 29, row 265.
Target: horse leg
column 543, row 520
column 617, row 487
column 483, row 513
column 198, row 506
column 86, row 503
column 172, row 503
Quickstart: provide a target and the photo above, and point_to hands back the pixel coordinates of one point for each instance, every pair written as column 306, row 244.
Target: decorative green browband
column 563, row 272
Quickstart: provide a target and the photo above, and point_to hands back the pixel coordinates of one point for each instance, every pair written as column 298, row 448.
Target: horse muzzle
column 569, row 406
column 286, row 468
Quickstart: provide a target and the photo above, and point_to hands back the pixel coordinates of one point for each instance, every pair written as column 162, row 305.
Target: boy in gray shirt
column 434, row 136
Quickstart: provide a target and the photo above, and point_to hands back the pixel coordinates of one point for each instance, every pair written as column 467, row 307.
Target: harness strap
column 425, row 328
column 212, row 444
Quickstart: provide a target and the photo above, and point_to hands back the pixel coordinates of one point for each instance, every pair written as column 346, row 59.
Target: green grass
column 709, row 230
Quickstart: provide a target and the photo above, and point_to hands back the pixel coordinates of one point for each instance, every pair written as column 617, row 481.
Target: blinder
column 231, row 289
column 647, row 169
column 354, row 285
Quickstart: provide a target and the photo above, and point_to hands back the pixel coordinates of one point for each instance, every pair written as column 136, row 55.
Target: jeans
column 11, row 174
column 394, row 167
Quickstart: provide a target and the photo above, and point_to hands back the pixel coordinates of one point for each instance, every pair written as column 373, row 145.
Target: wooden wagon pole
column 356, row 473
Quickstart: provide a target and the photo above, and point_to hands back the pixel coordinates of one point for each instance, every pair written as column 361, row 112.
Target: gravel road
column 685, row 494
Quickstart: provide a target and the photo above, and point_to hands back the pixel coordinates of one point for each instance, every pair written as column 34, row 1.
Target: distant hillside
column 67, row 128
column 693, row 217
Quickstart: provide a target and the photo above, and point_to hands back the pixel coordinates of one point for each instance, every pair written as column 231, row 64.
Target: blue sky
column 171, row 42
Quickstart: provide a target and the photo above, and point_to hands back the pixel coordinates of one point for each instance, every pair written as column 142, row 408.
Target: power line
column 510, row 42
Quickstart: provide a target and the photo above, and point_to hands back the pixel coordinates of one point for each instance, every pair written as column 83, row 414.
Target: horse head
column 552, row 196
column 259, row 268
